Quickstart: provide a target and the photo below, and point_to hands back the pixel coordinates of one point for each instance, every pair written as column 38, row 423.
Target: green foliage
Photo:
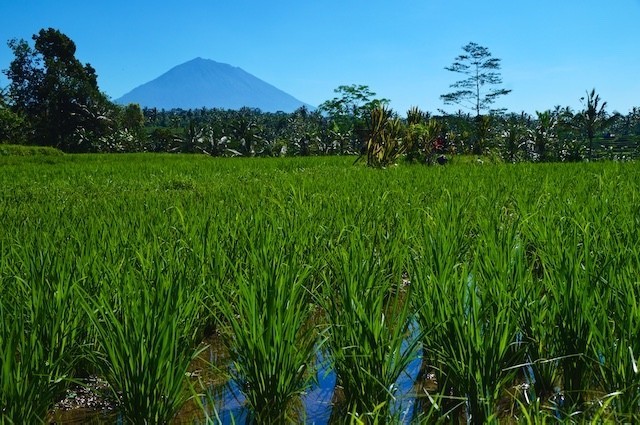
column 572, row 146
column 384, row 138
column 476, row 91
column 133, row 121
column 424, row 140
column 146, row 317
column 545, row 137
column 350, row 110
column 483, row 135
column 303, row 135
column 265, row 315
column 162, row 140
column 19, row 150
column 593, row 118
column 304, row 132
column 370, row 321
column 617, row 343
column 39, row 334
column 519, row 282
column 56, row 94
column 354, row 102
column 515, row 140
column 481, row 70
column 416, row 116
column 13, row 126
column 469, row 306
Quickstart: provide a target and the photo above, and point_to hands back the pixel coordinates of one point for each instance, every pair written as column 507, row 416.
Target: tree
column 426, row 138
column 593, row 118
column 13, row 128
column 245, row 131
column 56, row 93
column 303, row 132
column 515, row 141
column 384, row 142
column 545, row 137
column 475, row 91
column 354, row 101
column 132, row 120
column 349, row 111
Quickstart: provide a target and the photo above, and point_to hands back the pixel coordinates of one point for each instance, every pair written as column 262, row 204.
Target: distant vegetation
column 19, row 150
column 560, row 134
column 53, row 100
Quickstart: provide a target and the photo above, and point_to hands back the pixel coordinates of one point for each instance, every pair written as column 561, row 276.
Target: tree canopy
column 56, row 92
column 476, row 91
column 593, row 118
column 348, row 111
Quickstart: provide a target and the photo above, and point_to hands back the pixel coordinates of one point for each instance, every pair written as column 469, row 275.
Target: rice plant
column 469, row 310
column 265, row 315
column 520, row 290
column 146, row 322
column 573, row 290
column 384, row 145
column 370, row 338
column 39, row 344
column 616, row 343
column 441, row 249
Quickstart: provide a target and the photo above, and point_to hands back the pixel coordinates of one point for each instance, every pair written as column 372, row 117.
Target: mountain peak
column 202, row 61
column 206, row 83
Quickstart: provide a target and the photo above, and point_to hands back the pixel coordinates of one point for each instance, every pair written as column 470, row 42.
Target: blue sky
column 552, row 51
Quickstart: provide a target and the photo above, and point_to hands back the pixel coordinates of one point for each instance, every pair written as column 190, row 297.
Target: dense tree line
column 559, row 134
column 54, row 100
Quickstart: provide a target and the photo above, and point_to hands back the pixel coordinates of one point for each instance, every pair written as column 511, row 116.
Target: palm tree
column 594, row 117
column 545, row 135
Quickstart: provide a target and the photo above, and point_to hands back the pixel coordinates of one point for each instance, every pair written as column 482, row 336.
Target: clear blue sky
column 552, row 51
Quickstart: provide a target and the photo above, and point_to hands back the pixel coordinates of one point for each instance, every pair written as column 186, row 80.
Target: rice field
column 187, row 289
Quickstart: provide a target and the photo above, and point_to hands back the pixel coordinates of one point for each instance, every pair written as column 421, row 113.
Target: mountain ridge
column 206, row 83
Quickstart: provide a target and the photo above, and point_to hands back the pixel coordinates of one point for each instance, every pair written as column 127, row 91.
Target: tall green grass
column 521, row 280
column 369, row 322
column 469, row 310
column 39, row 336
column 266, row 318
column 21, row 150
column 146, row 322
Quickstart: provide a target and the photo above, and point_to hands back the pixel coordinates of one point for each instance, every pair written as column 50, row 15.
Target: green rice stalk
column 617, row 346
column 571, row 281
column 265, row 310
column 441, row 249
column 370, row 323
column 475, row 316
column 146, row 323
column 39, row 344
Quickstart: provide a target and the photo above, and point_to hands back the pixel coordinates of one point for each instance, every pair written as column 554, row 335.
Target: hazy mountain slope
column 206, row 83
